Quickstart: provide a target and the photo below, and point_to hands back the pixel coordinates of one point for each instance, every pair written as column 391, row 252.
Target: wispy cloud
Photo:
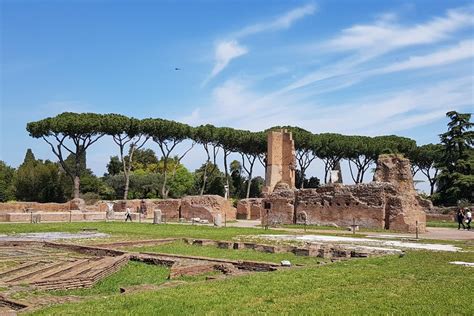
column 384, row 34
column 463, row 50
column 282, row 22
column 227, row 50
column 364, row 43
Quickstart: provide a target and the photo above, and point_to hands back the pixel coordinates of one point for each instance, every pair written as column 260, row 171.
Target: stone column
column 110, row 214
column 157, row 216
column 218, row 220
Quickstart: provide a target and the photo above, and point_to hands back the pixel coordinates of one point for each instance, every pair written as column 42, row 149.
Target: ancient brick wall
column 249, row 208
column 20, row 207
column 391, row 202
column 341, row 205
column 280, row 160
column 207, row 207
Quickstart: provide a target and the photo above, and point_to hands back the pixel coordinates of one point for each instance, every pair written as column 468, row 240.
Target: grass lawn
column 418, row 283
column 449, row 224
column 129, row 231
column 180, row 247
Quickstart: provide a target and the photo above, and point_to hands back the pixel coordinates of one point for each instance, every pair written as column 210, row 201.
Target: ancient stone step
column 17, row 279
column 22, row 267
column 66, row 267
column 85, row 267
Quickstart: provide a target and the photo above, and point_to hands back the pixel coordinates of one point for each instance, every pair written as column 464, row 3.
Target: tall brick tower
column 280, row 160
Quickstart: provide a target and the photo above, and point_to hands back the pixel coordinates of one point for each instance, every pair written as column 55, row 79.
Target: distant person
column 468, row 218
column 128, row 215
column 460, row 218
column 143, row 209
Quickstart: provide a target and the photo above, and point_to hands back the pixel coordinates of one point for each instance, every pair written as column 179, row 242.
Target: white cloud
column 225, row 51
column 282, row 22
column 464, row 50
column 366, row 42
column 384, row 34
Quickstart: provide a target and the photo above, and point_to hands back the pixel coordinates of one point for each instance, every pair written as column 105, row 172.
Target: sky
column 364, row 67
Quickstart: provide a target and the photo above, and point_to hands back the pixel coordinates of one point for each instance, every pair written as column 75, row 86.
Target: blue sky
column 353, row 67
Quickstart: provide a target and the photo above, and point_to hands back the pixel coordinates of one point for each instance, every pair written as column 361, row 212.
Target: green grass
column 134, row 273
column 180, row 247
column 449, row 224
column 418, row 283
column 129, row 231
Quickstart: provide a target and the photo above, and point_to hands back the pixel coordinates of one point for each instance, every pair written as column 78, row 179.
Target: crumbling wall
column 342, row 204
column 280, row 160
column 278, row 206
column 405, row 209
column 207, row 207
column 390, row 202
column 249, row 208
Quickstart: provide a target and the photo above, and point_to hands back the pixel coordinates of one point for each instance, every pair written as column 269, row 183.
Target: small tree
column 426, row 159
column 125, row 131
column 71, row 133
column 167, row 134
column 252, row 146
column 207, row 136
column 6, row 182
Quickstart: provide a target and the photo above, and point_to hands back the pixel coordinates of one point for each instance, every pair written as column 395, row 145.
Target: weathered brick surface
column 390, row 202
column 20, row 207
column 280, row 160
column 207, row 207
column 249, row 208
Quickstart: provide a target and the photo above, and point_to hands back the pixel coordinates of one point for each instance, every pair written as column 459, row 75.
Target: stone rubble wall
column 390, row 202
column 249, row 208
column 341, row 205
column 205, row 207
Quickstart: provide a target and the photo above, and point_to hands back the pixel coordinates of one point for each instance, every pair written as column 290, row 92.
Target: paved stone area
column 49, row 236
column 439, row 233
column 368, row 242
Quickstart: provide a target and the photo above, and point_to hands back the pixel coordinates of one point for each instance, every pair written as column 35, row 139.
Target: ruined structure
column 205, row 207
column 280, row 160
column 389, row 202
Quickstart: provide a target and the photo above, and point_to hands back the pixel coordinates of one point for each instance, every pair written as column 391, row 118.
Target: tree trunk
column 164, row 192
column 77, row 185
column 127, row 184
column 226, row 172
column 248, row 185
column 204, row 180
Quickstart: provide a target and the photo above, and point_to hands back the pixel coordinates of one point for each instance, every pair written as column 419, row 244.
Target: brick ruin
column 389, row 202
column 205, row 207
column 280, row 160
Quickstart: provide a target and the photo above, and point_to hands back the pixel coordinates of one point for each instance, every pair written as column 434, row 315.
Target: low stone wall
column 249, row 208
column 73, row 216
column 207, row 207
column 440, row 217
column 170, row 208
column 20, row 207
